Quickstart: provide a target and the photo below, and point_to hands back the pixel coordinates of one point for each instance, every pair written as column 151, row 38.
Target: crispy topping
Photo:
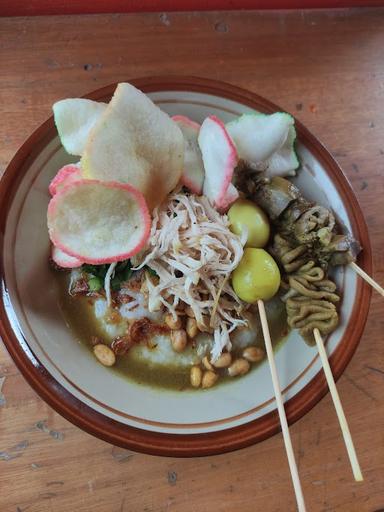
column 121, row 345
column 193, row 252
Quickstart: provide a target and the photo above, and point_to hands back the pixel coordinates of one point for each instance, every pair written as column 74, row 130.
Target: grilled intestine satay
column 299, row 221
column 311, row 296
column 305, row 244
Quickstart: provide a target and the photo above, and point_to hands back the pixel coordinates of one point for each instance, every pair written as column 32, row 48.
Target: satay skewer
column 338, row 407
column 367, row 278
column 332, row 386
column 281, row 410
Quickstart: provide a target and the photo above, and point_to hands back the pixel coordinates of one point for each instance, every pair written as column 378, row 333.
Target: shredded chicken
column 74, row 278
column 107, row 282
column 193, row 252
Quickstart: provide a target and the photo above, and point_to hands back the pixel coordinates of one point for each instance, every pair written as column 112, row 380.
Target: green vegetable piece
column 150, row 271
column 126, row 274
column 115, row 283
column 122, row 265
column 102, row 270
column 95, row 284
column 89, row 269
column 95, row 270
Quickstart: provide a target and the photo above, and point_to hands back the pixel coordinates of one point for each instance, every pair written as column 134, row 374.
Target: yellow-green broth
column 79, row 315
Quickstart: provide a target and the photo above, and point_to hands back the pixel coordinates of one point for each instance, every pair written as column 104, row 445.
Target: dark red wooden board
column 44, row 7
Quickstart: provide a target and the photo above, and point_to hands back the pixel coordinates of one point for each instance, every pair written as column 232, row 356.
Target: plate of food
column 140, row 225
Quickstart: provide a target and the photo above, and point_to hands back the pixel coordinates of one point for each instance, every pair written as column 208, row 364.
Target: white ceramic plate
column 110, row 406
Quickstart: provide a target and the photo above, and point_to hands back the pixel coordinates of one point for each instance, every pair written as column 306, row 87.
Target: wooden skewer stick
column 367, row 278
column 281, row 410
column 339, row 408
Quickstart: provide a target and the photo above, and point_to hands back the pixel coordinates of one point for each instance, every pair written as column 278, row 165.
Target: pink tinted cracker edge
column 229, row 198
column 185, row 120
column 108, row 184
column 231, row 163
column 62, row 175
column 195, row 126
column 75, row 263
column 191, row 185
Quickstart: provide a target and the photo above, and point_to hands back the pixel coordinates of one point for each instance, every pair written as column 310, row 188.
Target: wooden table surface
column 325, row 67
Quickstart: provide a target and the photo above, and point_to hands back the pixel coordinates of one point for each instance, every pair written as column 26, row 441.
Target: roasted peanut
column 104, row 354
column 191, row 327
column 196, row 376
column 238, row 367
column 173, row 323
column 223, row 361
column 179, row 340
column 207, row 365
column 209, row 379
column 253, row 354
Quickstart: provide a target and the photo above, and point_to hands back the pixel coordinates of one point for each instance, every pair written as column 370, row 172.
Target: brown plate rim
column 167, row 444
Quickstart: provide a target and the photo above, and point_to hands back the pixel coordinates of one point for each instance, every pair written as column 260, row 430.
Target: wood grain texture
column 43, row 7
column 326, row 68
